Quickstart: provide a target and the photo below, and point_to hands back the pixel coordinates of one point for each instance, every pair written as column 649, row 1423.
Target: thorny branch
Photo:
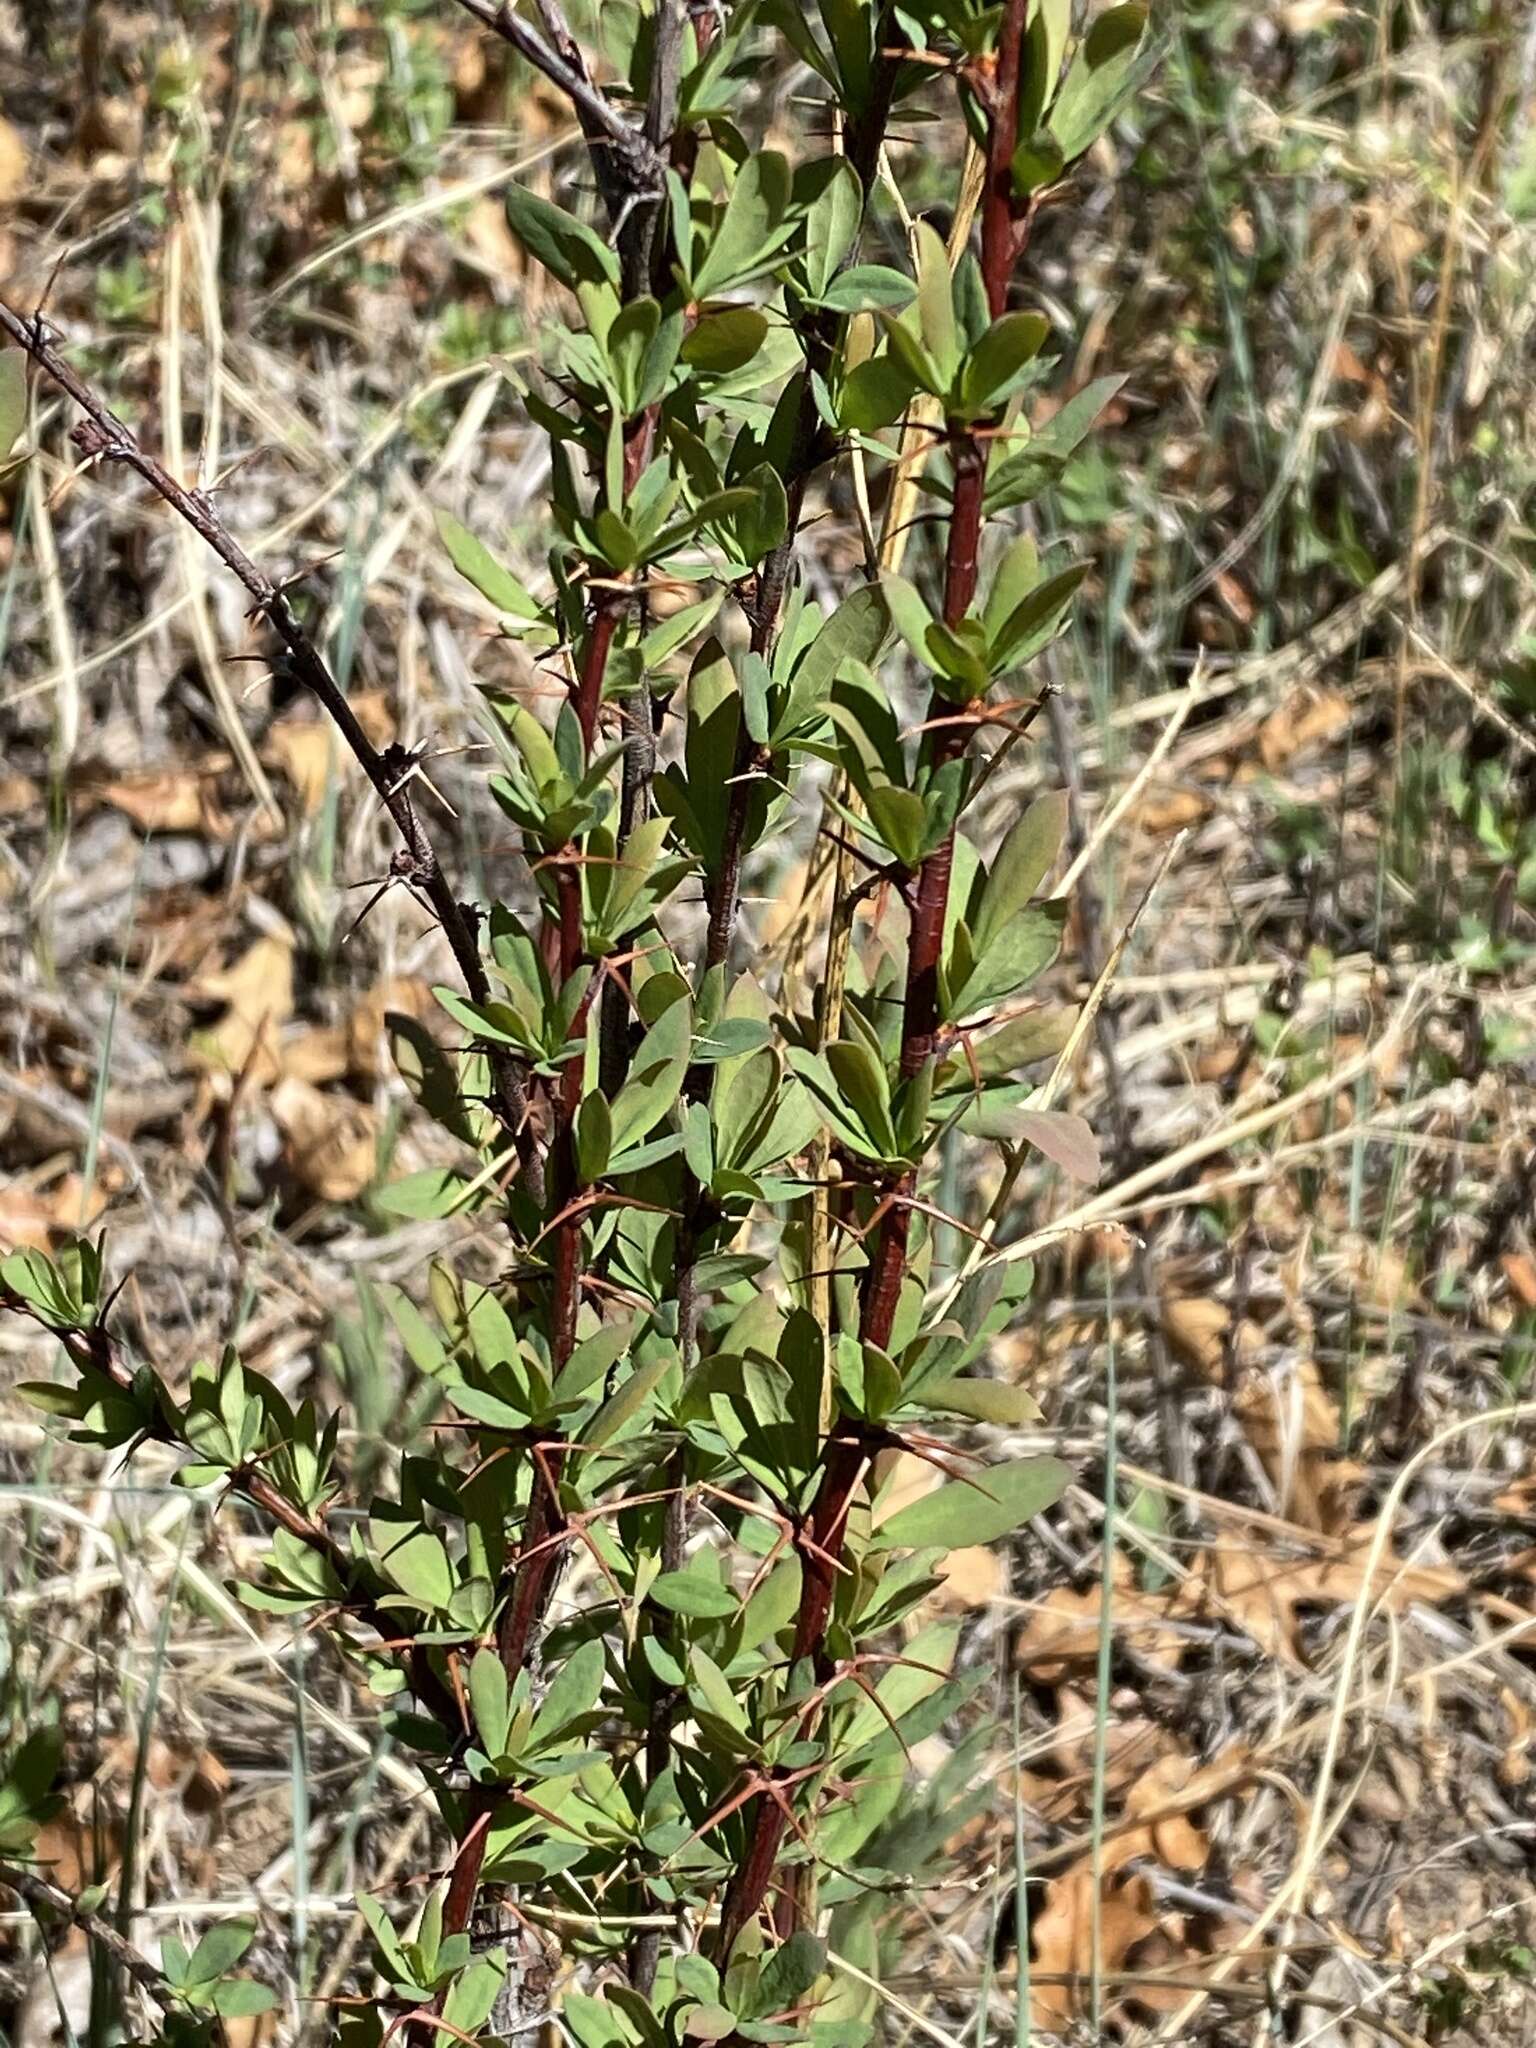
column 101, row 435
column 606, row 130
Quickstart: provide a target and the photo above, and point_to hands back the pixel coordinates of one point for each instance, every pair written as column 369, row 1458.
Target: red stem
column 845, row 1461
column 846, row 1454
column 1003, row 222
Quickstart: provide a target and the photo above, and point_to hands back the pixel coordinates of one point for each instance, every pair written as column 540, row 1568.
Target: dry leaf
column 330, row 1143
column 39, row 1219
column 1263, row 1594
column 1063, row 1939
column 323, row 1054
column 491, row 240
column 375, row 714
column 1061, row 1635
column 368, row 1054
column 1171, row 813
column 179, row 801
column 1308, row 716
column 1294, row 1426
column 1515, row 1764
column 1236, row 596
column 1159, row 1802
column 358, row 1048
column 1197, row 1326
column 13, row 163
column 309, row 755
column 1519, row 1270
column 973, row 1578
column 1290, row 1419
column 1066, row 1140
column 257, row 990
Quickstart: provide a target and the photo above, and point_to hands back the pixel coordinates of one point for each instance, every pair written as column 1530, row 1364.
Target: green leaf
column 533, row 743
column 695, row 1591
column 909, row 615
column 709, row 2021
column 34, row 1276
column 759, row 527
column 671, row 634
column 1010, row 961
column 594, row 1138
column 773, row 1606
column 1021, row 477
column 959, row 654
column 617, row 540
column 573, row 1692
column 1016, row 575
column 656, row 1076
column 936, row 302
column 594, row 1358
column 242, row 1998
column 219, row 1950
column 907, row 346
column 898, row 816
column 726, row 339
column 628, row 1402
column 751, row 227
column 712, row 1690
column 832, row 226
column 1110, row 64
column 386, row 1940
column 566, row 247
column 983, row 1401
column 855, row 632
column 637, row 881
column 475, row 562
column 787, row 1974
column 1019, row 1041
column 1038, row 162
column 866, row 1091
column 643, row 346
column 472, row 1998
column 995, row 366
column 866, row 287
column 1023, row 861
column 432, row 1192
column 489, row 1700
column 1034, row 621
column 411, row 1557
column 876, row 394
column 850, row 25
column 979, row 1510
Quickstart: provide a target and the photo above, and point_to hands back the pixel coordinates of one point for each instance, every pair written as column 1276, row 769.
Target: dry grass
column 1267, row 1772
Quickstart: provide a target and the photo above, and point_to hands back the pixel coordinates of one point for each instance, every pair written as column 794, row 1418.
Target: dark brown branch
column 51, row 1898
column 102, row 435
column 601, row 121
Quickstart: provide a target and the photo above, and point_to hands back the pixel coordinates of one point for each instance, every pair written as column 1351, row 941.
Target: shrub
column 724, row 1309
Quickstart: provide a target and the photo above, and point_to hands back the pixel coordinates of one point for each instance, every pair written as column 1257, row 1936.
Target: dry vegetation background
column 1277, row 1757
